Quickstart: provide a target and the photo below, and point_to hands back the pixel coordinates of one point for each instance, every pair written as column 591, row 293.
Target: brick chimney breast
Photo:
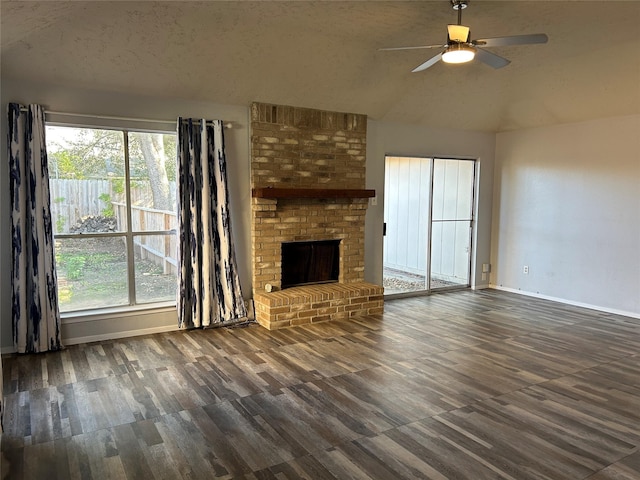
column 302, row 148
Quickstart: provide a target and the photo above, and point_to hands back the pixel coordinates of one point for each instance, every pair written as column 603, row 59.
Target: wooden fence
column 73, row 200
column 160, row 249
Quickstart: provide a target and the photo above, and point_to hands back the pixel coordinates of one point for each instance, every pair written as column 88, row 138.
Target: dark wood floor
column 469, row 385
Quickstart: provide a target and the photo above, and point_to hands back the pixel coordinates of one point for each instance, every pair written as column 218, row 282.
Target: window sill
column 119, row 312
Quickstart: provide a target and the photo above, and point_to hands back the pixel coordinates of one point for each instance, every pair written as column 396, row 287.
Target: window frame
column 132, row 307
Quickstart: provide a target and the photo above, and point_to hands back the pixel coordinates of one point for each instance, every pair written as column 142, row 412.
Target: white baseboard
column 105, row 336
column 116, row 335
column 170, row 328
column 568, row 302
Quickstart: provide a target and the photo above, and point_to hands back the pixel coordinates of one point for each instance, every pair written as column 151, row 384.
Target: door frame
column 472, row 224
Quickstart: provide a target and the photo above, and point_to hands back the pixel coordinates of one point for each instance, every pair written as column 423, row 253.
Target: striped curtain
column 36, row 318
column 209, row 291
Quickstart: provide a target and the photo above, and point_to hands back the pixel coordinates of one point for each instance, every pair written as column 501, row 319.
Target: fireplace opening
column 306, row 263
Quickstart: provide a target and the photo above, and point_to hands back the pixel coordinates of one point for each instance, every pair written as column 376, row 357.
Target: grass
column 93, row 274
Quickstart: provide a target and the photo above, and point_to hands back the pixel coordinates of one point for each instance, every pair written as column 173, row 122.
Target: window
column 113, row 205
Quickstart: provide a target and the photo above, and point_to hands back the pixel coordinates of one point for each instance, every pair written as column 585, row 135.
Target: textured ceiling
column 325, row 55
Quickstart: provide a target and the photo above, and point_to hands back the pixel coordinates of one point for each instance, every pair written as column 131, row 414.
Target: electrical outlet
column 374, row 201
column 525, row 269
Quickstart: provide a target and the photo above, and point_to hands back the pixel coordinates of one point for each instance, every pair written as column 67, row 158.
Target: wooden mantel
column 275, row 192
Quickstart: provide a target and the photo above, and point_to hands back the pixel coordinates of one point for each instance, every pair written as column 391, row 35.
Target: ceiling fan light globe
column 458, row 54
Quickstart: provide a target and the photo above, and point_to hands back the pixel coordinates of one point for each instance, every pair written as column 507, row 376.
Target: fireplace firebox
column 306, row 263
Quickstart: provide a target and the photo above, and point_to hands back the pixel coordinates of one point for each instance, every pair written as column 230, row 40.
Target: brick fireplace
column 308, row 184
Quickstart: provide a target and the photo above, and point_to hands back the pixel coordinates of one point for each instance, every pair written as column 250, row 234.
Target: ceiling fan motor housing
column 458, row 34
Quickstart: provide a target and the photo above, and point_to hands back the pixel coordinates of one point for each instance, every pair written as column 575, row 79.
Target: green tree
column 89, row 153
column 86, row 153
column 152, row 148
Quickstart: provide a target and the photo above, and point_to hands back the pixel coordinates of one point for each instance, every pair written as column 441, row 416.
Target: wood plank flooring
column 461, row 385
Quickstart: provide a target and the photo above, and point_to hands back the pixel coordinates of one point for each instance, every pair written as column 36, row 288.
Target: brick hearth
column 317, row 303
column 311, row 149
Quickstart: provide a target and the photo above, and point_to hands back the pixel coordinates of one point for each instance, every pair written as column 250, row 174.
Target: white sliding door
column 428, row 207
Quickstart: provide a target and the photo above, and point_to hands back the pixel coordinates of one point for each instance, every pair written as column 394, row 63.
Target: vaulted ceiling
column 325, row 55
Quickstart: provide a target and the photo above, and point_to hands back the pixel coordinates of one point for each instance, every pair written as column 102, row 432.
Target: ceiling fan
column 461, row 49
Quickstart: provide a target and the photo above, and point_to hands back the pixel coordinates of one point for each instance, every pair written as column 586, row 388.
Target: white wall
column 566, row 201
column 382, row 139
column 567, row 204
column 412, row 140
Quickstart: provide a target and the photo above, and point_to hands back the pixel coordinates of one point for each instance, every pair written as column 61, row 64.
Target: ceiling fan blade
column 428, row 63
column 512, row 40
column 491, row 59
column 411, row 48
